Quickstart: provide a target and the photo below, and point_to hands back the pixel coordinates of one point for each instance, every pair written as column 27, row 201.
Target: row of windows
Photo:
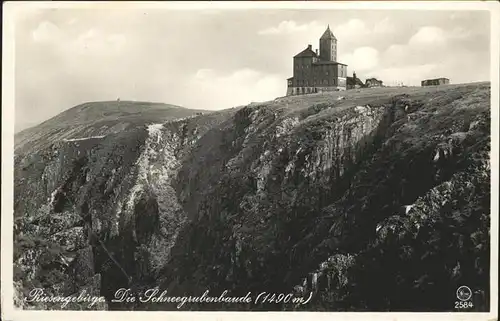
column 314, row 82
column 326, row 66
column 307, row 66
column 306, row 90
column 326, row 73
column 342, row 71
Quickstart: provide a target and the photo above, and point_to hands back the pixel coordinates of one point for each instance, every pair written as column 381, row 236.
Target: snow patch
column 53, row 197
column 286, row 126
column 262, row 176
column 83, row 138
column 408, row 208
column 436, row 156
column 115, row 226
column 154, row 130
column 156, row 167
column 363, row 109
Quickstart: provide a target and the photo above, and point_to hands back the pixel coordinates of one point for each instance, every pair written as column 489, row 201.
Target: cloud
column 290, row 27
column 428, row 43
column 354, row 27
column 88, row 42
column 204, row 74
column 428, row 36
column 96, row 42
column 459, row 15
column 460, row 33
column 429, row 52
column 395, row 52
column 357, row 30
column 217, row 91
column 46, row 32
column 384, row 26
column 363, row 58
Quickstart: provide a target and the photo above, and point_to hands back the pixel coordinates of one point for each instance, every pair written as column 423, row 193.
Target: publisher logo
column 464, row 293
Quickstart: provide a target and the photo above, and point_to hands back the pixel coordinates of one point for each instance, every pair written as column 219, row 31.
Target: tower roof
column 328, row 34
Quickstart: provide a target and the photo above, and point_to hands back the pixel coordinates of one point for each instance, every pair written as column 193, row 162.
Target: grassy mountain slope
column 97, row 118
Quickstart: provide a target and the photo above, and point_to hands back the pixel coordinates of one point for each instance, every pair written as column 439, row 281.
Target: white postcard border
column 8, row 62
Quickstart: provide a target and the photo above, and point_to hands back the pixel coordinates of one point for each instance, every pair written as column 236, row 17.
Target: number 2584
column 463, row 305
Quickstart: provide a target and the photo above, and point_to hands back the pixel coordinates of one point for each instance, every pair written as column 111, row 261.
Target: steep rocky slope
column 374, row 199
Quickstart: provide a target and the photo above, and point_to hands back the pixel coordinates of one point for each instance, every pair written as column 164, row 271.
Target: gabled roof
column 308, row 52
column 352, row 81
column 437, row 79
column 328, row 34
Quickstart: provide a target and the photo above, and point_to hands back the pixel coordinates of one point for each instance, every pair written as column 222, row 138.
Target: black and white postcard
column 245, row 160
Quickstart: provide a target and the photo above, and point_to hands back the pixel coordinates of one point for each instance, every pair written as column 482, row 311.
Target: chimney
column 354, row 75
column 309, row 47
column 316, row 52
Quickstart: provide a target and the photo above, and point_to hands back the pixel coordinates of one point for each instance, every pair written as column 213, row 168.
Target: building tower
column 328, row 46
column 318, row 74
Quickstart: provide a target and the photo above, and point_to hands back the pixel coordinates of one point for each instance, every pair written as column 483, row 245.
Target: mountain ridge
column 98, row 118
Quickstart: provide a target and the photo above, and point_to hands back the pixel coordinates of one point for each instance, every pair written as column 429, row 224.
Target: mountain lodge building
column 313, row 72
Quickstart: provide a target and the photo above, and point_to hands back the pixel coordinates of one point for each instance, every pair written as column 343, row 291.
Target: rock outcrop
column 377, row 201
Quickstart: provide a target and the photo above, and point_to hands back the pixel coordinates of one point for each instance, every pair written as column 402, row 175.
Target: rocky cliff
column 373, row 199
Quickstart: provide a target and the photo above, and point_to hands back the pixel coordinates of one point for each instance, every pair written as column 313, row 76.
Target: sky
column 217, row 59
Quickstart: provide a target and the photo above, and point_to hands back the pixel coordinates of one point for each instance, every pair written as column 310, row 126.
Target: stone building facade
column 315, row 72
column 435, row 82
